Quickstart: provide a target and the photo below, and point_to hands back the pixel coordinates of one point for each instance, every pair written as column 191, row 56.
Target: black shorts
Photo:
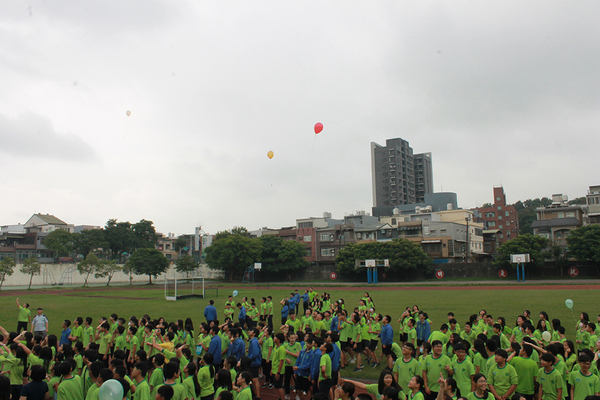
column 325, row 385
column 359, row 347
column 403, row 337
column 366, row 344
column 278, row 383
column 344, row 346
column 254, row 371
column 302, row 383
column 387, row 350
column 335, row 375
column 373, row 345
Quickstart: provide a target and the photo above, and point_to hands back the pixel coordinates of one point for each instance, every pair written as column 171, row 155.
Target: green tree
column 403, row 254
column 186, row 264
column 526, row 212
column 88, row 241
column 578, row 200
column 559, row 256
column 280, row 255
column 88, row 266
column 128, row 270
column 233, row 254
column 60, row 242
column 32, row 267
column 180, row 243
column 584, row 243
column 7, row 267
column 149, row 262
column 107, row 269
column 524, row 244
column 145, row 234
column 120, row 238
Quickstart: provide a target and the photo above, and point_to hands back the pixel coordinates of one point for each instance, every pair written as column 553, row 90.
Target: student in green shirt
column 270, row 311
column 243, row 382
column 550, row 381
column 88, row 332
column 277, row 362
column 103, row 336
column 583, row 382
column 434, row 365
column 386, row 380
column 24, row 316
column 206, row 375
column 468, row 333
column 374, row 331
column 463, row 370
column 502, row 377
column 15, row 361
column 406, row 367
column 77, row 330
column 70, row 387
column 325, row 378
column 292, row 351
column 525, row 367
column 138, row 374
column 171, row 372
column 416, row 386
column 480, row 392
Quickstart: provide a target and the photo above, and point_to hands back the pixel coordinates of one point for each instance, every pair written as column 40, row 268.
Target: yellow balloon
column 270, row 154
column 128, row 113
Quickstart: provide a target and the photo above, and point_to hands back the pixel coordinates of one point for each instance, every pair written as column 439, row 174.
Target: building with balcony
column 555, row 221
column 592, row 200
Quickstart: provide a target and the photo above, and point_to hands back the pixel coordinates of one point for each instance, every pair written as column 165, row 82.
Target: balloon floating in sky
column 569, row 304
column 235, row 293
column 270, row 154
column 318, row 128
column 128, row 113
column 111, row 390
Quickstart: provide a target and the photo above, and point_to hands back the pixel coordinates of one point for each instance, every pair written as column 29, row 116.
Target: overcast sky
column 501, row 93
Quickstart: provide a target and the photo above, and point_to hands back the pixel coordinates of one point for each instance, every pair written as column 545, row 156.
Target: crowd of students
column 243, row 355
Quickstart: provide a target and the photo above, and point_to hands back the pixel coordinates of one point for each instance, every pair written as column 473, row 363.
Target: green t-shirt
column 411, row 336
column 297, row 324
column 103, row 343
column 433, row 367
column 479, row 361
column 270, row 308
column 156, row 378
column 308, row 322
column 190, row 388
column 179, row 391
column 120, row 342
column 24, row 314
column 345, row 330
column 473, row 396
column 78, row 332
column 518, row 333
column 92, row 394
column 502, row 378
column 550, row 382
column 585, row 340
column 417, row 396
column 373, row 389
column 245, row 394
column 469, row 337
column 142, row 391
column 277, row 355
column 583, row 385
column 263, row 309
column 325, row 361
column 527, row 370
column 264, row 348
column 292, row 349
column 376, row 329
column 205, row 381
column 405, row 370
column 15, row 365
column 70, row 389
column 438, row 335
column 463, row 371
column 88, row 334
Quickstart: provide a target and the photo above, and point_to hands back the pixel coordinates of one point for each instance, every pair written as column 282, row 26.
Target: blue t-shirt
column 64, row 337
column 210, row 312
column 34, row 390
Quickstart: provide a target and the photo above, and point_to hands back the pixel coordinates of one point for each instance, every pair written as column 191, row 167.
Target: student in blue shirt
column 242, row 314
column 284, row 311
column 210, row 312
column 64, row 337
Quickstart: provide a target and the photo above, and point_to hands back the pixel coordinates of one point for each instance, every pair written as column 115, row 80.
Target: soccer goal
column 183, row 288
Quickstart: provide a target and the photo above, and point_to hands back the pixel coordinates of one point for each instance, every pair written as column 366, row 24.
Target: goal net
column 181, row 288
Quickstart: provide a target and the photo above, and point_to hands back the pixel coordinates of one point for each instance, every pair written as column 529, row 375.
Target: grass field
column 509, row 302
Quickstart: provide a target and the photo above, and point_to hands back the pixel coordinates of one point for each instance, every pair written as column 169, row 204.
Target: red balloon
column 318, row 127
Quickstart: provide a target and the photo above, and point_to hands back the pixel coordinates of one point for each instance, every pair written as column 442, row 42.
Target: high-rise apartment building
column 398, row 175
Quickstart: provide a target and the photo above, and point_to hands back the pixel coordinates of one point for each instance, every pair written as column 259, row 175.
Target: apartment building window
column 325, row 237
column 571, row 214
column 442, row 232
column 499, row 216
column 491, row 223
column 506, row 213
column 433, row 232
column 500, row 227
column 329, row 252
column 561, row 215
column 307, row 238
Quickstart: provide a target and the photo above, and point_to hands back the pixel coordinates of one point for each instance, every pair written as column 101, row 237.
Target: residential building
column 500, row 216
column 593, row 205
column 395, row 178
column 46, row 223
column 306, row 232
column 555, row 221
